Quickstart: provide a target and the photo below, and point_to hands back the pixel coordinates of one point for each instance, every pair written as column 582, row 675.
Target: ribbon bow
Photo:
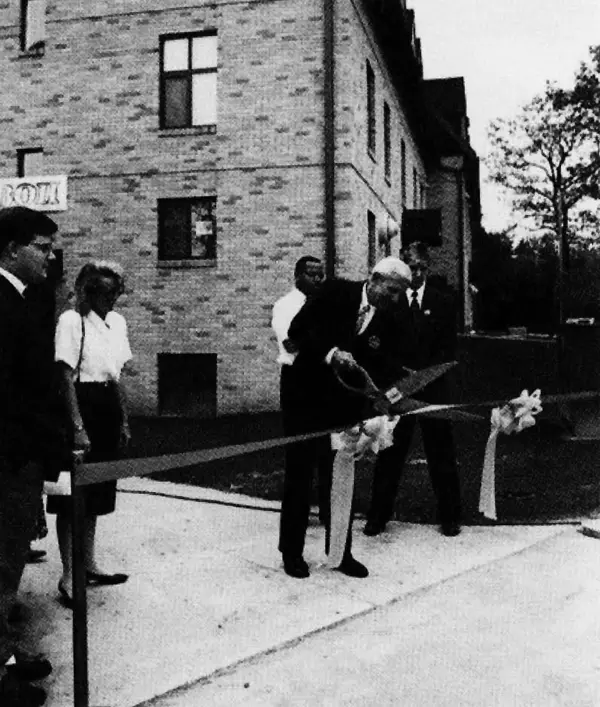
column 365, row 439
column 514, row 417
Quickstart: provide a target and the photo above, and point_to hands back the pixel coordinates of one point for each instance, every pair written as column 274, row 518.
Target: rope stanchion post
column 80, row 633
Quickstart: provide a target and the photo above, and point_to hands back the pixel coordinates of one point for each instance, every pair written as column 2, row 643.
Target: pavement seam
column 292, row 642
column 232, row 503
column 314, row 511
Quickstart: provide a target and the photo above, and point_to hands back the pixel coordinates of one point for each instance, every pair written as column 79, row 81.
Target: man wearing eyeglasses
column 32, row 447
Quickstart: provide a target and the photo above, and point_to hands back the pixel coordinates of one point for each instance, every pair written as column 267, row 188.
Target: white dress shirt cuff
column 330, row 355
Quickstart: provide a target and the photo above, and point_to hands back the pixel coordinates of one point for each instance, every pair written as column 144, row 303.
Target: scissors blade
column 447, row 412
column 416, row 381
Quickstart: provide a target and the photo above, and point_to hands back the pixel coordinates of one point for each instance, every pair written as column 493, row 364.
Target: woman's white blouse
column 105, row 347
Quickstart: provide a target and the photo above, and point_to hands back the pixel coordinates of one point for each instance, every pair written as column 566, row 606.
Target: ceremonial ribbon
column 366, row 438
column 512, row 418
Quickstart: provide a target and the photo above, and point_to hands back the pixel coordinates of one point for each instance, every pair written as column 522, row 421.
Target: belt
column 99, row 384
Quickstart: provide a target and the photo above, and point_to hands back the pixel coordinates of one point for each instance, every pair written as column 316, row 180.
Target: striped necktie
column 363, row 313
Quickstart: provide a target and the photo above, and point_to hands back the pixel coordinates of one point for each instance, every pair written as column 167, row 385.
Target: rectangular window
column 387, row 142
column 403, row 170
column 372, row 234
column 30, row 162
column 371, row 117
column 187, row 229
column 188, row 81
column 415, row 189
column 187, row 384
column 33, row 25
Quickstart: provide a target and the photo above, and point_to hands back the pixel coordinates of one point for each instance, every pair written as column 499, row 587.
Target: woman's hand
column 125, row 436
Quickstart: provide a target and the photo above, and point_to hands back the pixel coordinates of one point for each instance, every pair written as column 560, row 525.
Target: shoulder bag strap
column 78, row 368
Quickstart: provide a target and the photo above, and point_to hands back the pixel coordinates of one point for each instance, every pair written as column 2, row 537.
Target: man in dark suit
column 31, row 445
column 348, row 324
column 433, row 316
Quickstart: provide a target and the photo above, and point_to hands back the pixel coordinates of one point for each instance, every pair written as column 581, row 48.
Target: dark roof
column 448, row 97
column 448, row 121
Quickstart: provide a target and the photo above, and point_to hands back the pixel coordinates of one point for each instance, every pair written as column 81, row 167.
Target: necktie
column 362, row 317
column 414, row 304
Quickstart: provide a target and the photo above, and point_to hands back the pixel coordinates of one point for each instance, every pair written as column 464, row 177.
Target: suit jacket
column 329, row 321
column 30, row 420
column 434, row 337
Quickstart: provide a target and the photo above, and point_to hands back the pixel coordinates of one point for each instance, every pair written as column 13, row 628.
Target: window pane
column 203, row 229
column 33, row 164
column 174, row 231
column 371, row 120
column 187, row 384
column 204, row 52
column 176, row 108
column 176, row 55
column 372, row 235
column 204, row 99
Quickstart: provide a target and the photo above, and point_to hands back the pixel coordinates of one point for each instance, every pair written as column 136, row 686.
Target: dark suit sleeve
column 13, row 415
column 316, row 328
column 447, row 331
column 30, row 426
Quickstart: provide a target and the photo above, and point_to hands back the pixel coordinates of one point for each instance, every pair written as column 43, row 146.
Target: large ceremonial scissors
column 398, row 398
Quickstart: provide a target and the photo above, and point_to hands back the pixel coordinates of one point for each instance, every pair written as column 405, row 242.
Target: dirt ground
column 540, row 475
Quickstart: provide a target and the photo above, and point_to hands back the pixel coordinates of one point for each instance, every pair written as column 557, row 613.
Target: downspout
column 329, row 133
column 461, row 246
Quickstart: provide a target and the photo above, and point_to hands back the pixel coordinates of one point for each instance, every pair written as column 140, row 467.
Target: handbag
column 60, row 487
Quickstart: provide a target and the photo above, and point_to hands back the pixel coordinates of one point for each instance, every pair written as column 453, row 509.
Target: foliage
column 515, row 283
column 548, row 158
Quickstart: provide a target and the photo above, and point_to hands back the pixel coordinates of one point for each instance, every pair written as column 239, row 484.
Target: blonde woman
column 91, row 348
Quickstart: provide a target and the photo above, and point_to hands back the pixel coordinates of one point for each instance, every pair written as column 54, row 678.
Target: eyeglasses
column 45, row 248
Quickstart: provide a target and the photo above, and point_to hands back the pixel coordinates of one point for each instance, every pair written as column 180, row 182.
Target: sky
column 506, row 50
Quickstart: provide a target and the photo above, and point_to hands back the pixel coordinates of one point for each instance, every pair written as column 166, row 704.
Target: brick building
column 207, row 145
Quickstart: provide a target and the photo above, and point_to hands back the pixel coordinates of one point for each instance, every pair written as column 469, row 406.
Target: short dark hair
column 419, row 248
column 20, row 225
column 90, row 277
column 301, row 264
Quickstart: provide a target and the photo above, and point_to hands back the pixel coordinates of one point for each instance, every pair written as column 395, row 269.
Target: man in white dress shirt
column 300, row 459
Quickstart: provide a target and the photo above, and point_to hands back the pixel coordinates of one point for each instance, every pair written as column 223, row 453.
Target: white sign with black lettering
column 48, row 193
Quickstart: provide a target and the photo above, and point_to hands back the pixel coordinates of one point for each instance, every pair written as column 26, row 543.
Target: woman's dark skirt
column 101, row 415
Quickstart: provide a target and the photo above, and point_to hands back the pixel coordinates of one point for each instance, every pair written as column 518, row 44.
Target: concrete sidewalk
column 500, row 616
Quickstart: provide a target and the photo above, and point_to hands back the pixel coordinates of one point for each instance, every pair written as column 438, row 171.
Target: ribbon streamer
column 364, row 439
column 512, row 418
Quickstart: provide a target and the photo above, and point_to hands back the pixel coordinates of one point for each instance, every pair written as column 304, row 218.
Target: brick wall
column 91, row 102
column 361, row 181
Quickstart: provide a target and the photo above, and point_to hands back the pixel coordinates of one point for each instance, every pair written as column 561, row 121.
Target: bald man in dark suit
column 348, row 324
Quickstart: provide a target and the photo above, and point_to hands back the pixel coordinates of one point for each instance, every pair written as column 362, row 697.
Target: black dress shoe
column 30, row 669
column 353, row 568
column 373, row 527
column 65, row 598
column 296, row 567
column 106, row 579
column 14, row 693
column 450, row 530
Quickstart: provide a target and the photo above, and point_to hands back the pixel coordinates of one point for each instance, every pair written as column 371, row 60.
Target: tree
column 546, row 157
column 539, row 155
column 585, row 95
